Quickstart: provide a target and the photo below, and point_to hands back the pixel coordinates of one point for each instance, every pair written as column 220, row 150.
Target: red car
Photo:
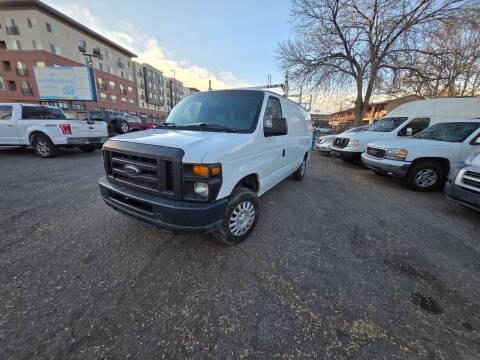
column 136, row 124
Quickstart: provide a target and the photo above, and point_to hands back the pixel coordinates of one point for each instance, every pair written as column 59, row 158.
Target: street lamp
column 96, row 54
column 174, row 102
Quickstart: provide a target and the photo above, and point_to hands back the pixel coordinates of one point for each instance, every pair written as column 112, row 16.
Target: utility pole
column 209, row 85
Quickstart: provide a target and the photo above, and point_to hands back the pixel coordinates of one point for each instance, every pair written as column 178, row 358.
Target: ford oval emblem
column 131, row 170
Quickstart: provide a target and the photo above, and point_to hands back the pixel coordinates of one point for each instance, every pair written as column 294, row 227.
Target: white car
column 425, row 159
column 406, row 120
column 46, row 128
column 463, row 185
column 203, row 169
column 324, row 143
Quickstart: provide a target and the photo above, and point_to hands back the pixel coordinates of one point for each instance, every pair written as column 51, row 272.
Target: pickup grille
column 144, row 172
column 376, row 152
column 471, row 181
column 340, row 142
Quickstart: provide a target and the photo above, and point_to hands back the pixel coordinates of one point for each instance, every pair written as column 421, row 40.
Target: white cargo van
column 406, row 120
column 205, row 167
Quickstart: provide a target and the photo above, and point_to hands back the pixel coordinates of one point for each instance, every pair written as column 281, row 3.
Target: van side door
column 9, row 131
column 274, row 145
column 416, row 125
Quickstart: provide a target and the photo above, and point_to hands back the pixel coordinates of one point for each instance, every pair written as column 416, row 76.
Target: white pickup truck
column 425, row 159
column 46, row 128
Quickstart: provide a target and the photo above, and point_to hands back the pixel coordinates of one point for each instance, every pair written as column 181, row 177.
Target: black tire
column 239, row 197
column 44, row 147
column 300, row 173
column 426, row 176
column 88, row 148
column 122, row 127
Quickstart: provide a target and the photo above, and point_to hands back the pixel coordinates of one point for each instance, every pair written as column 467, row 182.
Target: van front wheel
column 426, row 176
column 300, row 173
column 240, row 217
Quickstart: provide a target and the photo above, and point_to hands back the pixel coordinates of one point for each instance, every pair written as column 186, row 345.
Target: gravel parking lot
column 346, row 264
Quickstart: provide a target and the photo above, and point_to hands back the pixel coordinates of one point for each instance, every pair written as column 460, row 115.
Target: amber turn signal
column 215, row 170
column 201, row 170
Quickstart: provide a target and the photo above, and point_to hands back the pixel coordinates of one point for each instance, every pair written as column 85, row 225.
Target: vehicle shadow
column 29, row 153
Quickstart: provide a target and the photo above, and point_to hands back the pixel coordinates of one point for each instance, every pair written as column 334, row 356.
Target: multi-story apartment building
column 35, row 34
column 150, row 87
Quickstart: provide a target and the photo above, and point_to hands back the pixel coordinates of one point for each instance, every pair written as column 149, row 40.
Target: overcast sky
column 230, row 42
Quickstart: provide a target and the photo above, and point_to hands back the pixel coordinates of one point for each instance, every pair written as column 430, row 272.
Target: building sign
column 64, row 83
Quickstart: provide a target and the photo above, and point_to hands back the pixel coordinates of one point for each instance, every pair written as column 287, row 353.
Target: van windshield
column 387, row 124
column 451, row 132
column 229, row 111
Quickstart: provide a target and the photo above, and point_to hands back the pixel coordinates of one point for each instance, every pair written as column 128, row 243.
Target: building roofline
column 36, row 4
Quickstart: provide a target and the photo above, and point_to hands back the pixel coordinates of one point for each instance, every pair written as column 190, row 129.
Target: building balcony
column 27, row 91
column 13, row 30
column 21, row 71
column 102, row 86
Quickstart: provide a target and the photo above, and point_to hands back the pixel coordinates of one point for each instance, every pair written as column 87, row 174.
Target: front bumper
column 456, row 193
column 171, row 215
column 86, row 140
column 347, row 155
column 388, row 167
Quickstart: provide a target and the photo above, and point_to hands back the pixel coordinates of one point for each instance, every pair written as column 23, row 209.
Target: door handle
column 10, row 125
column 283, row 153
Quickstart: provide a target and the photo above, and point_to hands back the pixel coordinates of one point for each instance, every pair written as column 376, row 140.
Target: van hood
column 366, row 135
column 195, row 144
column 409, row 143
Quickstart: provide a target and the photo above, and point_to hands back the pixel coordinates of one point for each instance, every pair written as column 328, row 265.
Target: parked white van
column 406, row 120
column 425, row 159
column 205, row 167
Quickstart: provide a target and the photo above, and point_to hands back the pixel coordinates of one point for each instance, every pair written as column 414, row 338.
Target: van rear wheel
column 44, row 147
column 240, row 217
column 300, row 173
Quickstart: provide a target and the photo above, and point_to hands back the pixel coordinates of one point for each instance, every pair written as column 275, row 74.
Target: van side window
column 272, row 110
column 82, row 115
column 417, row 125
column 97, row 115
column 5, row 112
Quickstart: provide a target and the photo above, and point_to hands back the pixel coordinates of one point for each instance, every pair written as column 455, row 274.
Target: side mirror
column 477, row 141
column 279, row 127
column 409, row 132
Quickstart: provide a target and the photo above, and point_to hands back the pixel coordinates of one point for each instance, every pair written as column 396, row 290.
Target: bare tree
column 347, row 44
column 449, row 65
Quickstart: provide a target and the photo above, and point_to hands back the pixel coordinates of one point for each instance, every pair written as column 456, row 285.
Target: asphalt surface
column 346, row 264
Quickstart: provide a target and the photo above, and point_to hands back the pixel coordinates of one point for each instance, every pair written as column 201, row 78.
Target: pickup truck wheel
column 44, row 147
column 123, row 127
column 240, row 217
column 88, row 148
column 300, row 173
column 426, row 176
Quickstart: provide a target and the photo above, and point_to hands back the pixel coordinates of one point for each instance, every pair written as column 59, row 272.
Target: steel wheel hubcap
column 124, row 127
column 42, row 147
column 425, row 178
column 242, row 217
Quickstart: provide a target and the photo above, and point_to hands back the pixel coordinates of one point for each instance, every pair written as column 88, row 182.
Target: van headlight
column 396, row 154
column 200, row 188
column 353, row 143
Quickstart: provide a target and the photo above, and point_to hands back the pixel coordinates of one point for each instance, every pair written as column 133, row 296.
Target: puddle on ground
column 426, row 303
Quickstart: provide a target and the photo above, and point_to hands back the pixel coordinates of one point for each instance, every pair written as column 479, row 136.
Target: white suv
column 205, row 167
column 46, row 128
column 425, row 159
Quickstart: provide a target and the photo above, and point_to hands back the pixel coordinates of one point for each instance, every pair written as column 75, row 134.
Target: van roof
column 26, row 104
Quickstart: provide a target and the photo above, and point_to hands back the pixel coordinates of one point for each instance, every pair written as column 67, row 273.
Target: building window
column 40, row 64
column 99, row 66
column 12, row 28
column 21, row 69
column 130, row 90
column 37, row 45
column 103, row 97
column 26, row 89
column 82, row 43
column 16, row 45
column 131, row 101
column 110, row 69
column 84, row 60
column 78, row 107
column 51, row 28
column 11, row 85
column 32, row 23
column 3, row 45
column 124, row 100
column 109, row 55
column 114, row 98
column 2, row 84
column 6, row 66
column 54, row 49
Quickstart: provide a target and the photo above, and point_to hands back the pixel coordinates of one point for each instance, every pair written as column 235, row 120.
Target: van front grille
column 340, row 142
column 471, row 181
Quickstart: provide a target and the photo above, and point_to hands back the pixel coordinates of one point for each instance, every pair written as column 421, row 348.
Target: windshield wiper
column 215, row 126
